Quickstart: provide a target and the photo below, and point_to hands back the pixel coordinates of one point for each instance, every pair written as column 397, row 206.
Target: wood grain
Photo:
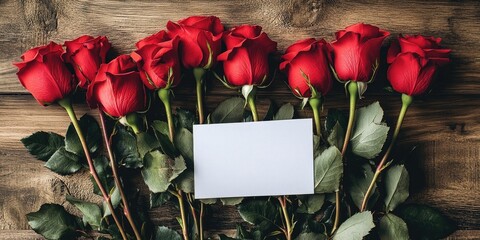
column 442, row 128
column 25, row 24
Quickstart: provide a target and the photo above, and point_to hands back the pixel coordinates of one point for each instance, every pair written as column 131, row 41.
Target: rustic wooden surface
column 444, row 127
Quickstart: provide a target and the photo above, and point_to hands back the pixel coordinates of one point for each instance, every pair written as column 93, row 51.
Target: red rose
column 44, row 74
column 200, row 40
column 86, row 54
column 157, row 59
column 117, row 88
column 306, row 65
column 246, row 60
column 427, row 47
column 414, row 61
column 356, row 52
column 161, row 36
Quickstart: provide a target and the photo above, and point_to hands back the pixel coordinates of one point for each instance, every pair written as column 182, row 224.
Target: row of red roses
column 117, row 87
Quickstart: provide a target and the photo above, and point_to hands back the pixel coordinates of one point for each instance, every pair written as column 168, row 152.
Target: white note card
column 269, row 158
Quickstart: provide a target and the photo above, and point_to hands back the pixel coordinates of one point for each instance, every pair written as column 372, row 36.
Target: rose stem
column 67, row 104
column 316, row 103
column 251, row 104
column 116, row 176
column 201, row 220
column 179, row 195
column 283, row 204
column 352, row 91
column 406, row 101
column 199, row 74
column 281, row 199
column 192, row 209
column 164, row 95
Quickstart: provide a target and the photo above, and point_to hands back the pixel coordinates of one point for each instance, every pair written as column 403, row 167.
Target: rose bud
column 86, row 54
column 356, row 52
column 246, row 60
column 414, row 61
column 200, row 40
column 158, row 62
column 245, row 63
column 44, row 74
column 306, row 65
column 118, row 89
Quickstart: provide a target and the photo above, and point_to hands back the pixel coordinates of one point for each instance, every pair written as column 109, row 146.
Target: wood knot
column 41, row 15
column 305, row 13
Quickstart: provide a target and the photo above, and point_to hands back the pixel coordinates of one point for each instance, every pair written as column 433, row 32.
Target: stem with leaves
column 352, row 89
column 289, row 228
column 179, row 195
column 164, row 95
column 406, row 101
column 67, row 105
column 116, row 177
column 199, row 74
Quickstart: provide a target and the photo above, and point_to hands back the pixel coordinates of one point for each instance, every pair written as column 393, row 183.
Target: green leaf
column 184, row 142
column 356, row 227
column 258, row 211
column 228, row 111
column 328, row 170
column 43, row 145
column 185, row 119
column 53, row 222
column 425, row 222
column 335, row 116
column 359, row 183
column 392, row 227
column 396, row 186
column 209, row 201
column 369, row 132
column 159, row 170
column 146, row 143
column 285, row 112
column 115, row 197
column 162, row 233
column 124, row 146
column 104, row 173
column 158, row 199
column 162, row 133
column 185, row 181
column 310, row 204
column 336, row 136
column 91, row 132
column 231, row 201
column 270, row 112
column 311, row 236
column 225, row 237
column 92, row 214
column 63, row 162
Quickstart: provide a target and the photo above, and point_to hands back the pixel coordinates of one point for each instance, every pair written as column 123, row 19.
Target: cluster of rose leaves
column 197, row 44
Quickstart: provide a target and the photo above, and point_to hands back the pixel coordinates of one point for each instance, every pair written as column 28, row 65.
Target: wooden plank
column 25, row 24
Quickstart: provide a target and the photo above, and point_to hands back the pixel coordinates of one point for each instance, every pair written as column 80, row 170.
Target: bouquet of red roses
column 360, row 191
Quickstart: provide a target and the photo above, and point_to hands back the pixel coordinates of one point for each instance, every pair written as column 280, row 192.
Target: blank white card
column 269, row 158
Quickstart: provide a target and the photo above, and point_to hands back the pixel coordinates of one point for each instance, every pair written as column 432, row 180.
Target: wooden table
column 444, row 127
